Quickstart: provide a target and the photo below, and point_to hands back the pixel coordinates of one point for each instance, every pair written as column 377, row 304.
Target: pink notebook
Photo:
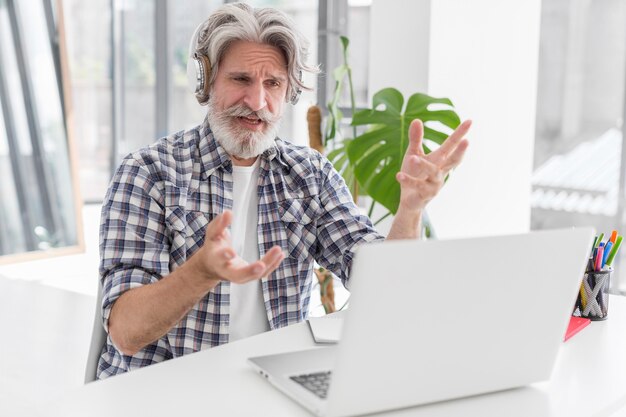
column 576, row 324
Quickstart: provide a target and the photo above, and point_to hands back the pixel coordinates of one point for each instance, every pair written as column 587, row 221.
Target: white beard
column 236, row 140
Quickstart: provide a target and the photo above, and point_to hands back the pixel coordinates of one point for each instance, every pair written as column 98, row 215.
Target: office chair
column 98, row 338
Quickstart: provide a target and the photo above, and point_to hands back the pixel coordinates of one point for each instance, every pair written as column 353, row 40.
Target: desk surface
column 589, row 379
column 43, row 346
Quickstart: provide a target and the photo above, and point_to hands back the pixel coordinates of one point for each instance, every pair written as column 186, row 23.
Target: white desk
column 589, row 380
column 43, row 345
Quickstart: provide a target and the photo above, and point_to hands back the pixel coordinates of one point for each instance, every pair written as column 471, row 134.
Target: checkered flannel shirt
column 156, row 211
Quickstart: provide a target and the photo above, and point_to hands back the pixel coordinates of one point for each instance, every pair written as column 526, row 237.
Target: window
column 88, row 28
column 38, row 210
column 129, row 80
column 579, row 160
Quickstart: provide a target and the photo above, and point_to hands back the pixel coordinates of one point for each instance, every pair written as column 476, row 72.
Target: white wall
column 399, row 45
column 483, row 55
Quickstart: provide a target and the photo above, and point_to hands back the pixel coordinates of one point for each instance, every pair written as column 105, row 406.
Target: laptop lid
column 436, row 320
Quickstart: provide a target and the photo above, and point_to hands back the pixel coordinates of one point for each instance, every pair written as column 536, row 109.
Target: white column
column 483, row 55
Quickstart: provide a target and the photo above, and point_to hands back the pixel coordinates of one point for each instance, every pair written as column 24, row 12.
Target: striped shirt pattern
column 156, row 211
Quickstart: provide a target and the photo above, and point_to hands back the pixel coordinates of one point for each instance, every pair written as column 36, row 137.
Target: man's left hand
column 422, row 175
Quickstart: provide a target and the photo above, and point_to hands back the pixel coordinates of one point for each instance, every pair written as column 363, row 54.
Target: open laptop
column 437, row 320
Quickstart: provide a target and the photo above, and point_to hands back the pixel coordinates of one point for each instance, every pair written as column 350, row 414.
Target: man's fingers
column 457, row 156
column 272, row 259
column 217, row 227
column 416, row 134
column 241, row 273
column 272, row 254
column 419, row 182
column 449, row 146
column 227, row 253
column 275, row 260
column 244, row 273
column 420, row 168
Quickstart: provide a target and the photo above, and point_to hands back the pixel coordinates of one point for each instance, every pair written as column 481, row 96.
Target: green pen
column 614, row 250
column 599, row 240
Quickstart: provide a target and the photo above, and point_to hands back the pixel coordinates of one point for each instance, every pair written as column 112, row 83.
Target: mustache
column 240, row 110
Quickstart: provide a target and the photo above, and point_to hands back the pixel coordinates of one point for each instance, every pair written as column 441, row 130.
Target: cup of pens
column 593, row 299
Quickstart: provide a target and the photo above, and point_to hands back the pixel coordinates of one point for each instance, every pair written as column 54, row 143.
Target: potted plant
column 371, row 157
column 369, row 160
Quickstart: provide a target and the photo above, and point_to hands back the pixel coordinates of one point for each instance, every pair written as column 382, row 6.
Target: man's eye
column 273, row 83
column 241, row 79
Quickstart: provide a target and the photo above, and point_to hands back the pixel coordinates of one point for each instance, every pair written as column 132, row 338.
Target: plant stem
column 352, row 101
column 355, row 189
column 382, row 218
column 371, row 210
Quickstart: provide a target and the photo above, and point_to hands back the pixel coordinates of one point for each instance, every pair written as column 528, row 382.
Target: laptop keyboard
column 317, row 382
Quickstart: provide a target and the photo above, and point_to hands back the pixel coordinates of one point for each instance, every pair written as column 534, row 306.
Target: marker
column 607, row 250
column 613, row 236
column 614, row 250
column 599, row 257
column 599, row 240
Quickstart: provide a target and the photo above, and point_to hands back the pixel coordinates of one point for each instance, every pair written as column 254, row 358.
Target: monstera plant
column 376, row 155
column 370, row 157
column 370, row 160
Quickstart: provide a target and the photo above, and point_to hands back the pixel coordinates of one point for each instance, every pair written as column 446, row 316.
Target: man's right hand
column 144, row 314
column 218, row 261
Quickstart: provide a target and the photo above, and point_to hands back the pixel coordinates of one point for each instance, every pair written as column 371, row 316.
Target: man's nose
column 255, row 97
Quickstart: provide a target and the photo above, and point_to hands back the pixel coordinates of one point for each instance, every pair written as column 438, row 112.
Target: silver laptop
column 437, row 320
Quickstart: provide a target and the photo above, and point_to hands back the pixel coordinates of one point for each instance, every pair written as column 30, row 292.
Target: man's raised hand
column 422, row 176
column 218, row 261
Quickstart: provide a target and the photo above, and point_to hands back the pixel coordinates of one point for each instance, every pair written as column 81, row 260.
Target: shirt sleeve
column 341, row 226
column 134, row 248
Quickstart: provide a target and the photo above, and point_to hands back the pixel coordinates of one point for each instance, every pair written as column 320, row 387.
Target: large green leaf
column 376, row 155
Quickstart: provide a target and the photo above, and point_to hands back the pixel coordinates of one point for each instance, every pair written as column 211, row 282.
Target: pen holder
column 593, row 297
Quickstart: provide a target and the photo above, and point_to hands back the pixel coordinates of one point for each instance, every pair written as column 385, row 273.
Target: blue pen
column 607, row 249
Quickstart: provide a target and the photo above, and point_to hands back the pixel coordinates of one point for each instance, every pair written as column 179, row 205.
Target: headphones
column 198, row 70
column 199, row 73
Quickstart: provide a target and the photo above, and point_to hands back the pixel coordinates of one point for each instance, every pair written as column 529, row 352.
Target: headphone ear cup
column 193, row 72
column 202, row 92
column 198, row 75
column 295, row 96
column 198, row 69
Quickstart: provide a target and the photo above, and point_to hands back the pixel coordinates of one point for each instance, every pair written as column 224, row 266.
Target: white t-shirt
column 247, row 307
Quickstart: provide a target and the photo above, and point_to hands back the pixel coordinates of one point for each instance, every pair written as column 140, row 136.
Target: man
column 175, row 279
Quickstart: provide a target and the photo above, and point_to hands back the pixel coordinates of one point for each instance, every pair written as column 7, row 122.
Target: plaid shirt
column 158, row 206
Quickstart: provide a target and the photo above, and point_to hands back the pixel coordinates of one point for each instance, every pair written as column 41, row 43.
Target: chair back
column 98, row 339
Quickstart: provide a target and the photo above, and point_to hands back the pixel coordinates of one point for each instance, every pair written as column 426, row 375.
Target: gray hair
column 239, row 21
